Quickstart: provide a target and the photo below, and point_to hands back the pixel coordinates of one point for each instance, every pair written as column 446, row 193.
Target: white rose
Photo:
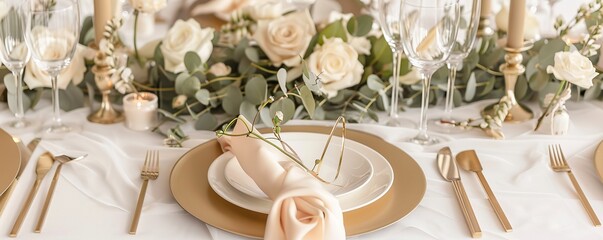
column 184, row 37
column 219, row 69
column 222, row 9
column 574, row 68
column 285, row 39
column 338, row 65
column 35, row 77
column 265, row 10
column 148, row 6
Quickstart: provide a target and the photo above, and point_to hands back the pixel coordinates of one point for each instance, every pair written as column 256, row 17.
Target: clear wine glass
column 428, row 31
column 52, row 37
column 465, row 38
column 389, row 18
column 15, row 55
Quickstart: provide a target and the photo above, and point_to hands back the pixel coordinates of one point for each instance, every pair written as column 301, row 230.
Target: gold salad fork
column 150, row 171
column 559, row 164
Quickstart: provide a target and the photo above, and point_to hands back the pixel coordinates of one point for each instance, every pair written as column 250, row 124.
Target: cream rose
column 285, row 39
column 148, row 6
column 338, row 66
column 219, row 69
column 222, row 9
column 35, row 77
column 184, row 37
column 574, row 68
column 265, row 10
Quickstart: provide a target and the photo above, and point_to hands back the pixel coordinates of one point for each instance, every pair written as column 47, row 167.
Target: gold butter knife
column 42, row 168
column 450, row 172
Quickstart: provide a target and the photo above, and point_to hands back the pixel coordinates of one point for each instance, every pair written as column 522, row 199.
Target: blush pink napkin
column 302, row 208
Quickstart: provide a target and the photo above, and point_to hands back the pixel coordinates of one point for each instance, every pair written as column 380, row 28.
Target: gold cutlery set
column 469, row 161
column 150, row 171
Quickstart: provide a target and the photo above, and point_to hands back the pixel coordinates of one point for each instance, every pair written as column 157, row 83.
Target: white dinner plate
column 376, row 187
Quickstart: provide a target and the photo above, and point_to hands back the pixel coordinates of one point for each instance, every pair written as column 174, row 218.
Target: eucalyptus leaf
column 232, row 101
column 456, row 98
column 286, row 106
column 359, row 26
column 206, row 121
column 203, row 96
column 539, row 80
column 239, row 51
column 593, row 92
column 308, row 100
column 532, row 66
column 521, row 87
column 9, row 83
column 192, row 61
column 471, row 88
column 12, row 102
column 252, row 54
column 187, row 86
column 256, row 89
column 488, row 87
column 71, row 98
column 281, row 76
column 248, row 110
column 546, row 55
column 266, row 118
column 375, row 83
column 333, row 30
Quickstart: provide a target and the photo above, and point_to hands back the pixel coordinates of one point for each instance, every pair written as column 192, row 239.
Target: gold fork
column 559, row 164
column 150, row 171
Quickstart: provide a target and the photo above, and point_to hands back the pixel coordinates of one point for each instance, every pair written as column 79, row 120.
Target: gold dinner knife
column 450, row 172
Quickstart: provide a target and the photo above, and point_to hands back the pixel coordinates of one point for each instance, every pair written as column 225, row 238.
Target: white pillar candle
column 140, row 110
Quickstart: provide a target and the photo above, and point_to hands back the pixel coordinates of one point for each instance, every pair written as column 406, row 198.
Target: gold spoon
column 468, row 160
column 62, row 159
column 43, row 166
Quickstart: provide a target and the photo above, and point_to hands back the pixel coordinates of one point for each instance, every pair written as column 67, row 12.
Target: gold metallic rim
column 190, row 187
column 10, row 161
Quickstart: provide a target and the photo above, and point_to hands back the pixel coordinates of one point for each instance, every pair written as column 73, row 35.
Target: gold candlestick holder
column 484, row 29
column 511, row 70
column 106, row 114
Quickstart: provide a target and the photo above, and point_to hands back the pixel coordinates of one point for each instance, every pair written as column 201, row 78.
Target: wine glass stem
column 450, row 91
column 56, row 118
column 19, row 112
column 397, row 58
column 426, row 74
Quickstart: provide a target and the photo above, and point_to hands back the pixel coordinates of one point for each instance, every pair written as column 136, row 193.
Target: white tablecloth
column 95, row 197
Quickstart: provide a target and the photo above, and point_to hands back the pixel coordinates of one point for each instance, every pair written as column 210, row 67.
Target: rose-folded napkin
column 302, row 208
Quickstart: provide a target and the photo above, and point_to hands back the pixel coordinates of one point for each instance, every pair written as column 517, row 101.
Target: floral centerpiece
column 340, row 66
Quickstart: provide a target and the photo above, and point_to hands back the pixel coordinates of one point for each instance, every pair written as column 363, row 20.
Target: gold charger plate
column 10, row 160
column 190, row 187
column 599, row 160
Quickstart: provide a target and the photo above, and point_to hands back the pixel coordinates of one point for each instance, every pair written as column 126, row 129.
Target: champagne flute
column 389, row 18
column 15, row 55
column 428, row 30
column 52, row 37
column 465, row 38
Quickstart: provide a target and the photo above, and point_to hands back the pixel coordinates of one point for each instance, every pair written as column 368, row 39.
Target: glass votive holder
column 140, row 110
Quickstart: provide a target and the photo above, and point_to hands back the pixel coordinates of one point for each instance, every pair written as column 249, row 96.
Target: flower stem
column 562, row 86
column 136, row 55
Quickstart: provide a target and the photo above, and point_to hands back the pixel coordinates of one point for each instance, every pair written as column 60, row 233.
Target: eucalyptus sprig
column 490, row 124
column 286, row 148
